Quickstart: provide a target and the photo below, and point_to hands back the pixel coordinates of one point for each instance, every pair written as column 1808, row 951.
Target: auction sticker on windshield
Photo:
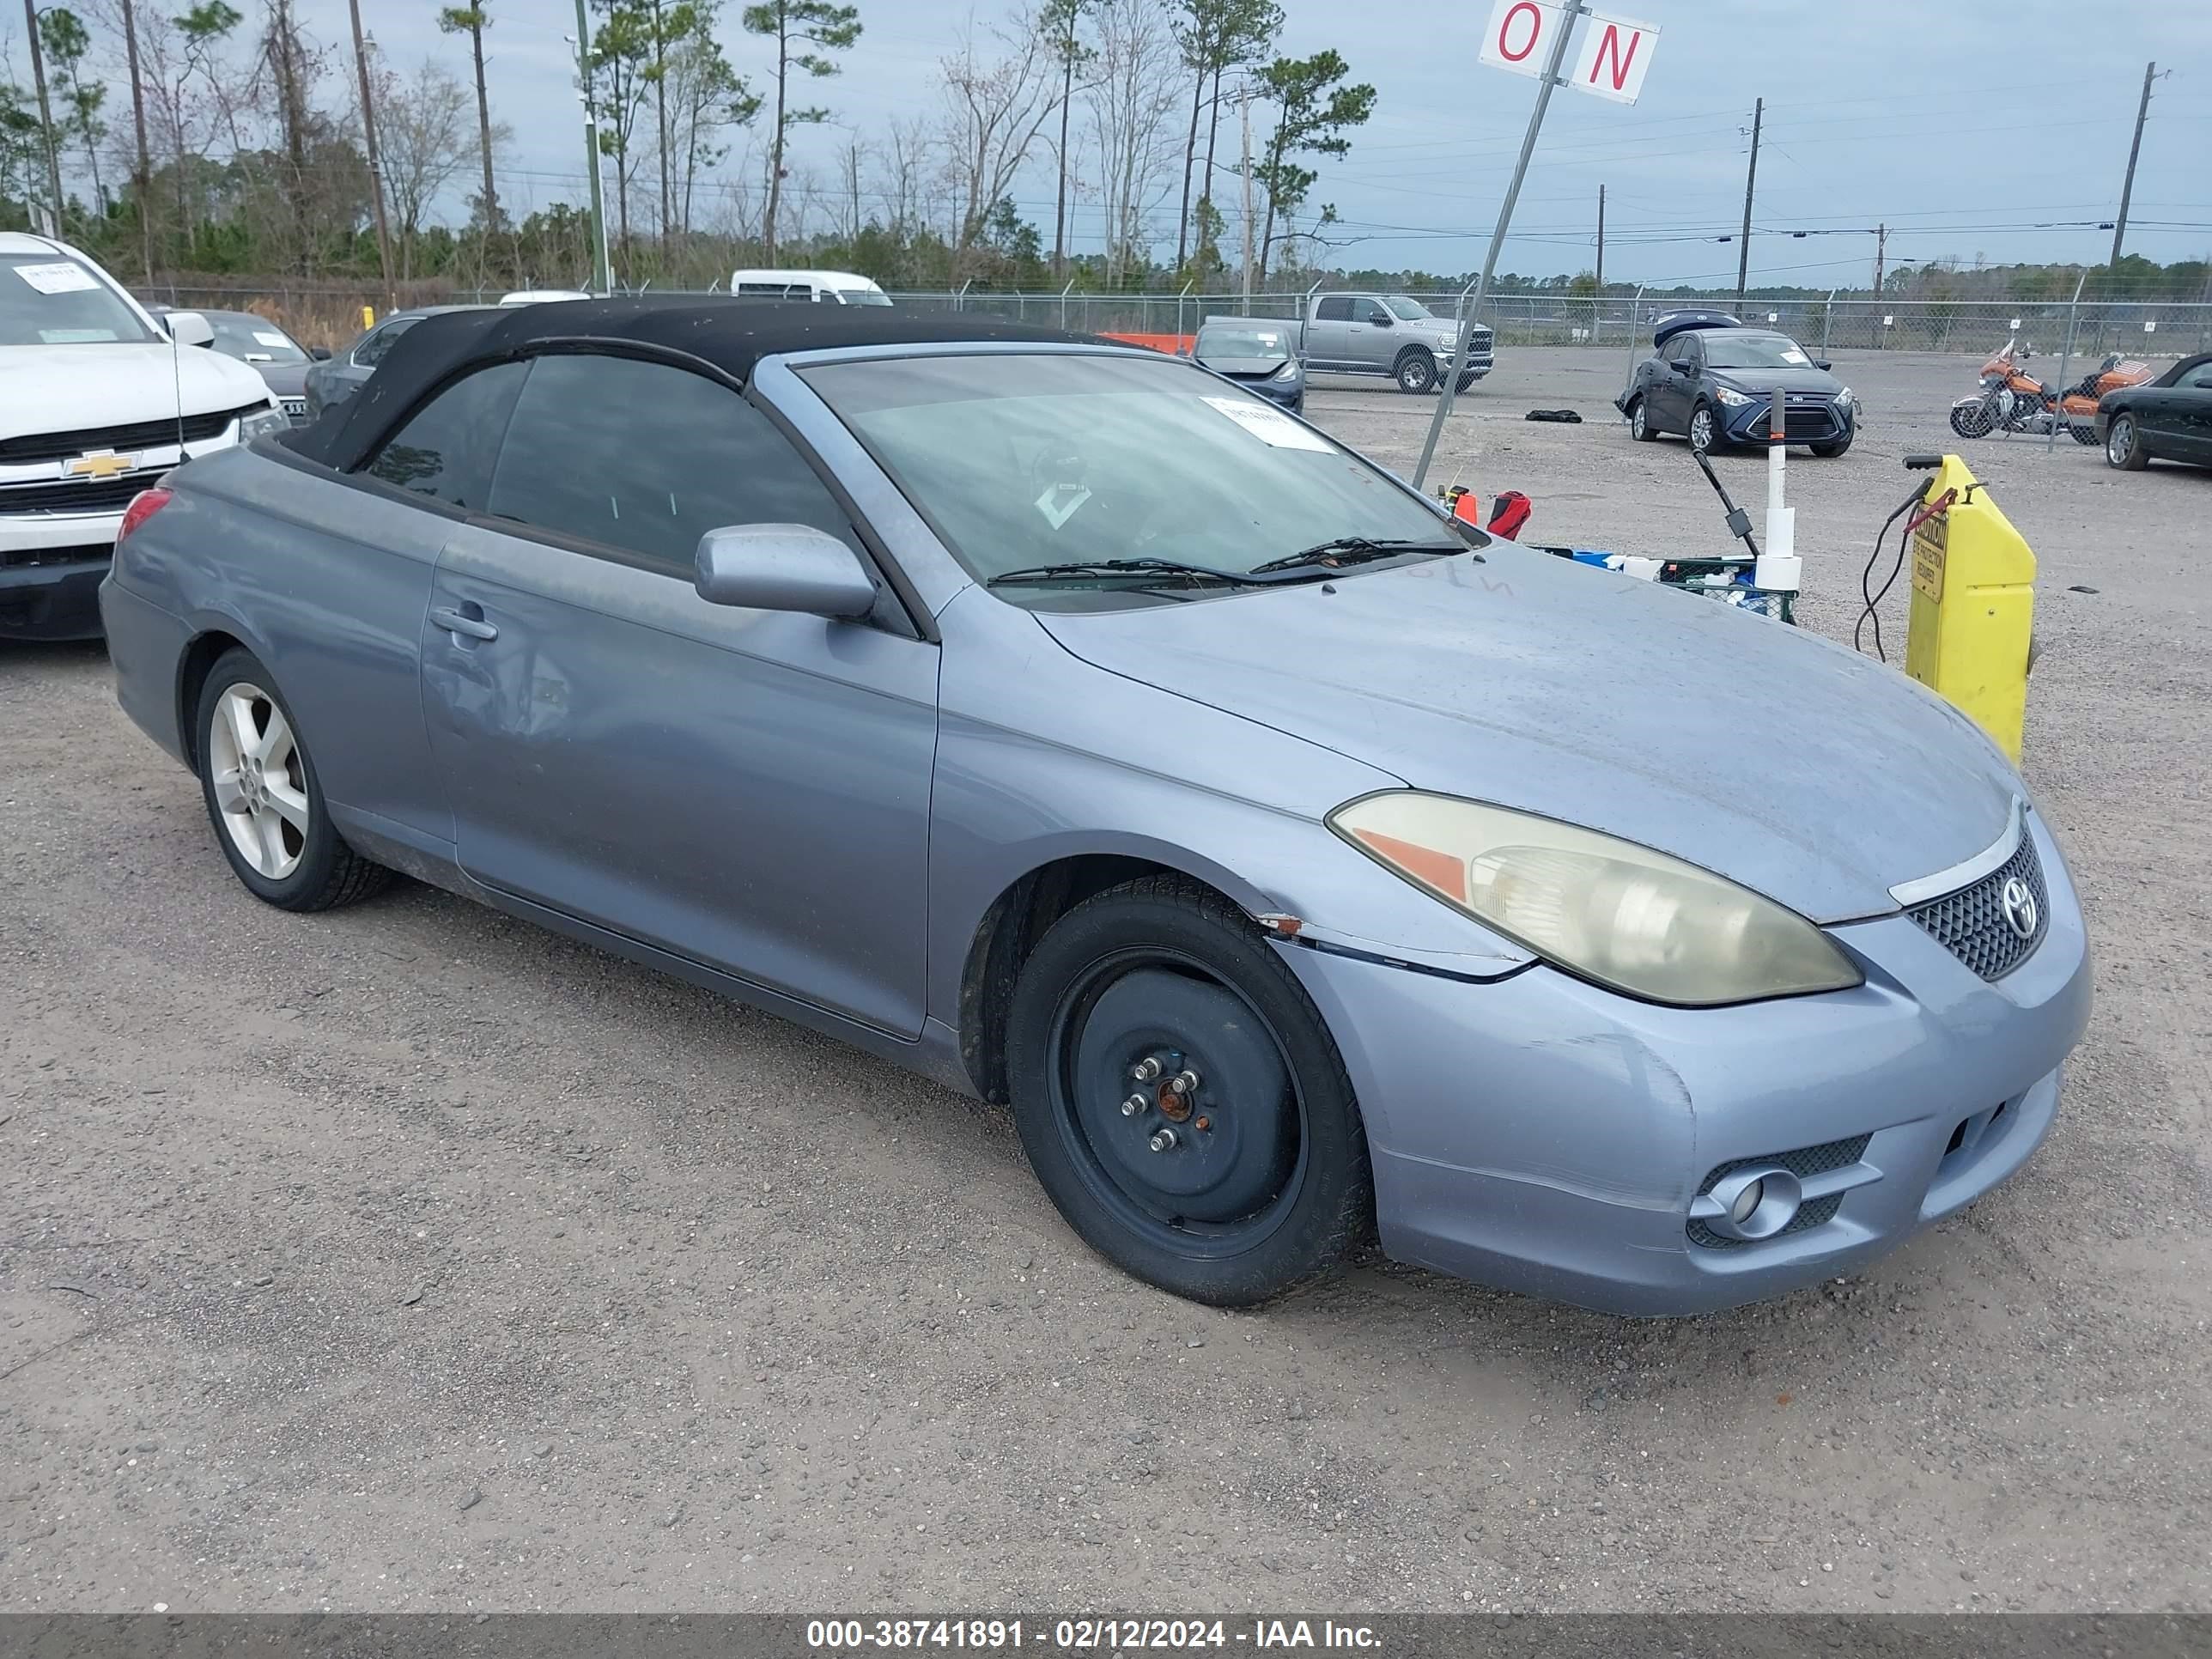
column 1270, row 426
column 61, row 278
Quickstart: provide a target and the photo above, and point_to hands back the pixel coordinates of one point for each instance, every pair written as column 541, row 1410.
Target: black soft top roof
column 730, row 335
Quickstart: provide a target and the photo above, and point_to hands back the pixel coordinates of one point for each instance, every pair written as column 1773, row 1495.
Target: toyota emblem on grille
column 2018, row 900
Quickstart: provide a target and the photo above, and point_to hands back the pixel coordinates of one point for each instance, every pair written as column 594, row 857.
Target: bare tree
column 472, row 20
column 422, row 129
column 994, row 109
column 908, row 156
column 1131, row 98
column 851, row 158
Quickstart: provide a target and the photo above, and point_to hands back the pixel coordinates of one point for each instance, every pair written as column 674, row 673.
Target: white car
column 96, row 403
column 834, row 288
column 541, row 296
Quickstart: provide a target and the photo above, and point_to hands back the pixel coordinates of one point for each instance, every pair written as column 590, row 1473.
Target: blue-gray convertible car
column 1066, row 724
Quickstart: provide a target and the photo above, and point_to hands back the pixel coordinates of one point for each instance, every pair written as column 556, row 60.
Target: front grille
column 25, row 558
column 1807, row 418
column 140, row 434
column 93, row 496
column 1805, row 1161
column 1971, row 925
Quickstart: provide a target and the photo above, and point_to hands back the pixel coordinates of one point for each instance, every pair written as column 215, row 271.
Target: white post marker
column 1530, row 37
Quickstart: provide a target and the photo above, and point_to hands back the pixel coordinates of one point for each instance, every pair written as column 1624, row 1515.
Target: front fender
column 1080, row 762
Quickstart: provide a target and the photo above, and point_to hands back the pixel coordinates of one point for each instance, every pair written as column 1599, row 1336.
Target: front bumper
column 1806, row 420
column 50, row 567
column 1542, row 1135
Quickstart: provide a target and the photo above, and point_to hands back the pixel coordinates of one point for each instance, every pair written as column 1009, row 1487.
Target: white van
column 836, row 288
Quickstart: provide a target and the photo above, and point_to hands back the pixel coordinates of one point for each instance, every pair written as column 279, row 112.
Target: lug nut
column 1145, row 1069
column 1186, row 1082
column 1162, row 1139
column 1133, row 1105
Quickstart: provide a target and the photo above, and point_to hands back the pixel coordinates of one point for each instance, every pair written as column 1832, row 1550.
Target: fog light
column 1746, row 1202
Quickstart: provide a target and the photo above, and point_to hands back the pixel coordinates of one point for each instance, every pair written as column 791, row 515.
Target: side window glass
column 2202, row 378
column 370, row 352
column 1672, row 350
column 1369, row 311
column 445, row 450
column 1334, row 310
column 648, row 458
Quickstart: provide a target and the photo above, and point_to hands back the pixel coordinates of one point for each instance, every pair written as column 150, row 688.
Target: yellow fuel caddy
column 1973, row 604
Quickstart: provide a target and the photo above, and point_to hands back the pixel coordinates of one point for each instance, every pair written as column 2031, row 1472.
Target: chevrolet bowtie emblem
column 104, row 466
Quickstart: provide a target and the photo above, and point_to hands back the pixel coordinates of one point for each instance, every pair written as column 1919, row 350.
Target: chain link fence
column 331, row 314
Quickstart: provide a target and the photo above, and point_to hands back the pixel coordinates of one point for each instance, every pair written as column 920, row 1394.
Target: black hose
column 1866, row 576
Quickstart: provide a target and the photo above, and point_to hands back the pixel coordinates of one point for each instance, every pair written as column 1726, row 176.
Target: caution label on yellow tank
column 1930, row 544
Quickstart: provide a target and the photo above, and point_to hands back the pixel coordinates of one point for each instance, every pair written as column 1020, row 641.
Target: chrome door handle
column 458, row 623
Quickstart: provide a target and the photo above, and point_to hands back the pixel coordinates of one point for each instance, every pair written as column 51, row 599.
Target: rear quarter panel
column 326, row 584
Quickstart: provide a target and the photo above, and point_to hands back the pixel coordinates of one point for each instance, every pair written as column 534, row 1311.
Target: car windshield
column 1228, row 340
column 1411, row 311
column 1023, row 459
column 1727, row 349
column 252, row 339
column 48, row 299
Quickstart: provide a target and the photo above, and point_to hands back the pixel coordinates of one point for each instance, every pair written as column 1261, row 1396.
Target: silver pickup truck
column 1391, row 334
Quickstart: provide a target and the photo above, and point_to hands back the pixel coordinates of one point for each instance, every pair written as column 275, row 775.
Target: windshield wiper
column 1353, row 549
column 1053, row 573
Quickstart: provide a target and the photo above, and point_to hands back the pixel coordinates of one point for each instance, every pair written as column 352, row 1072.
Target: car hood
column 63, row 388
column 1798, row 768
column 285, row 380
column 1819, row 381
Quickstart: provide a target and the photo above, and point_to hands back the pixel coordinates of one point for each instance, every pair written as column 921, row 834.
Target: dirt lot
column 411, row 1258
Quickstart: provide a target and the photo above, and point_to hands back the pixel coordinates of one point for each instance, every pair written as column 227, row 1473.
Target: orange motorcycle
column 2014, row 401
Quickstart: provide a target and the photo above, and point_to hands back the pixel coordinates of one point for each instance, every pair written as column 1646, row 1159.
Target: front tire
column 1233, row 1190
column 263, row 799
column 1639, row 422
column 1829, row 452
column 1704, row 430
column 1974, row 420
column 2124, row 444
column 1415, row 370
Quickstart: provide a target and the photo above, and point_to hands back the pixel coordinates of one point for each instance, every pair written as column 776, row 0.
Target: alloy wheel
column 260, row 780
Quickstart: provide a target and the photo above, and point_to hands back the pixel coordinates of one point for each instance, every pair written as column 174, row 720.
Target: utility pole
column 1569, row 14
column 141, row 181
column 1750, row 177
column 601, row 268
column 368, row 143
column 53, row 155
column 1601, row 241
column 1244, row 109
column 2127, row 185
column 1880, row 247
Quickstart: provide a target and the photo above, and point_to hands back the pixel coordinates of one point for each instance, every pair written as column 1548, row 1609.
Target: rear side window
column 648, row 458
column 447, row 448
column 1335, row 310
column 370, row 351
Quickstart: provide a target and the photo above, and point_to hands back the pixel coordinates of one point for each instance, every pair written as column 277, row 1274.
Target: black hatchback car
column 1713, row 380
column 2168, row 420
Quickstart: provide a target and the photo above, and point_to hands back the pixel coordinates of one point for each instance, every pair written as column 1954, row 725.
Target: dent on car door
column 748, row 789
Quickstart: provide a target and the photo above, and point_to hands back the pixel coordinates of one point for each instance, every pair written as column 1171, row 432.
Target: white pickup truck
column 1391, row 334
column 96, row 403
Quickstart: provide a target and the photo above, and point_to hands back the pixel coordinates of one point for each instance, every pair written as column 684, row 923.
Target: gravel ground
column 412, row 1258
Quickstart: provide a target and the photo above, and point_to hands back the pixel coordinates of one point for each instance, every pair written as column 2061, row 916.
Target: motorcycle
column 2013, row 400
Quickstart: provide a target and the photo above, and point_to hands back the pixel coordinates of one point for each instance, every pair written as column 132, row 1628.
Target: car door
column 2187, row 415
column 1372, row 341
column 1674, row 388
column 749, row 789
column 1328, row 337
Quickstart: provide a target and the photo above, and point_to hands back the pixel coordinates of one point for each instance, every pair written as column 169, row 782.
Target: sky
column 1975, row 129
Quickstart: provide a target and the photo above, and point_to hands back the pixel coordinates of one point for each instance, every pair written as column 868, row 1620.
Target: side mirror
column 1822, row 364
column 783, row 567
column 189, row 328
column 1680, row 366
column 320, row 354
column 1381, row 319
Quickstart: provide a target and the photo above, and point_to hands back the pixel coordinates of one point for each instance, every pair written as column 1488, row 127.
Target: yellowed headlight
column 1636, row 920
